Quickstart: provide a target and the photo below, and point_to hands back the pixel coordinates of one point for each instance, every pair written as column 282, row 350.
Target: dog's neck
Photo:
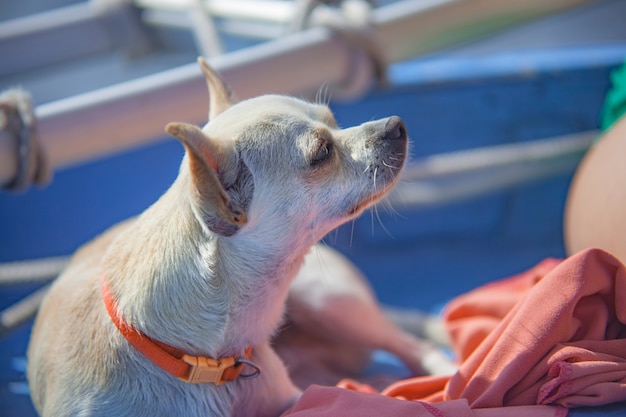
column 194, row 290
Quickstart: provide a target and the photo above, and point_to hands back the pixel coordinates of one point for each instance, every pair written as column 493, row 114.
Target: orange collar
column 192, row 369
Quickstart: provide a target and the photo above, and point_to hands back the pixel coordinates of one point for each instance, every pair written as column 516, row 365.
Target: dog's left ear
column 220, row 96
column 207, row 158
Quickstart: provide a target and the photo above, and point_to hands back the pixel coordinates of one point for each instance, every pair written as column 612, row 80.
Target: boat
column 501, row 101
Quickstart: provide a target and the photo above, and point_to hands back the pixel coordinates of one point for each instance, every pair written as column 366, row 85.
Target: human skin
column 595, row 210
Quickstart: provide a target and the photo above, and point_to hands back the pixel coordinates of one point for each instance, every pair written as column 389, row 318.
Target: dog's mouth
column 356, row 210
column 372, row 199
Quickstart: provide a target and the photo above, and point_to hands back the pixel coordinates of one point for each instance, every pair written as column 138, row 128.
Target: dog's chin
column 369, row 201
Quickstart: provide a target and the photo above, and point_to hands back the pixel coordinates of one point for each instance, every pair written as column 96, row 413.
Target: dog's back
column 62, row 357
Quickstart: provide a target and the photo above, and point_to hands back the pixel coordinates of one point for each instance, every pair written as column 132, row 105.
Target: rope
column 34, row 270
column 351, row 21
column 22, row 311
column 17, row 117
column 450, row 177
column 480, row 159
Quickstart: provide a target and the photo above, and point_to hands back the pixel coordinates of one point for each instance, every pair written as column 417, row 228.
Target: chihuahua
column 172, row 313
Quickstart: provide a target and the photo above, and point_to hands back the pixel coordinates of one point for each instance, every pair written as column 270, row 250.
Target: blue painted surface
column 413, row 258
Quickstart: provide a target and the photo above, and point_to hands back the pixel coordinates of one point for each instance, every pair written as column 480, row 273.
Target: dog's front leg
column 269, row 394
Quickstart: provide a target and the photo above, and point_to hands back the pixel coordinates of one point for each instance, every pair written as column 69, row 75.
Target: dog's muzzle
column 395, row 133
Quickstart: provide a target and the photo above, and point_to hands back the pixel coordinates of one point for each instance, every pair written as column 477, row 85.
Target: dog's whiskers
column 375, row 176
column 323, row 95
column 324, row 269
column 352, row 232
column 380, row 221
column 390, row 166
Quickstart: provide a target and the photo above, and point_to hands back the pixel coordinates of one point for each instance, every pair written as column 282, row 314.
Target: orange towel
column 533, row 344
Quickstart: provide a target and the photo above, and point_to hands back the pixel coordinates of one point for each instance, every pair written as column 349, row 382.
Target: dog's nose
column 395, row 129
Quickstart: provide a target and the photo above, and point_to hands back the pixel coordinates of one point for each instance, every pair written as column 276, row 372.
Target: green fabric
column 615, row 102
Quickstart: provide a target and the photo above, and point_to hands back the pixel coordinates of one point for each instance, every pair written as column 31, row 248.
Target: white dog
column 195, row 287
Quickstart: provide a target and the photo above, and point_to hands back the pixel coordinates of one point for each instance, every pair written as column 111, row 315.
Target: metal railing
column 82, row 127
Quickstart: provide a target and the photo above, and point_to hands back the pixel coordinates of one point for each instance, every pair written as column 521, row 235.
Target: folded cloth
column 320, row 401
column 538, row 343
column 562, row 340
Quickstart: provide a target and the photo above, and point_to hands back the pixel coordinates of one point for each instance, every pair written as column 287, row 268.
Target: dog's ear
column 220, row 96
column 206, row 159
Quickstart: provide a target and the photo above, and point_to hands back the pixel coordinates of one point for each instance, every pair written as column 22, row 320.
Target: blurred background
column 501, row 100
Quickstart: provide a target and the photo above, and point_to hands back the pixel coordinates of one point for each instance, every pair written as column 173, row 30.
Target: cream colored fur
column 208, row 267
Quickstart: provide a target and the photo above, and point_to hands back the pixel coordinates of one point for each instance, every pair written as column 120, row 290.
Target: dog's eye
column 324, row 150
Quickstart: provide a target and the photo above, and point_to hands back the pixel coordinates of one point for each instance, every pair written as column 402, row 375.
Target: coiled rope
column 30, row 271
